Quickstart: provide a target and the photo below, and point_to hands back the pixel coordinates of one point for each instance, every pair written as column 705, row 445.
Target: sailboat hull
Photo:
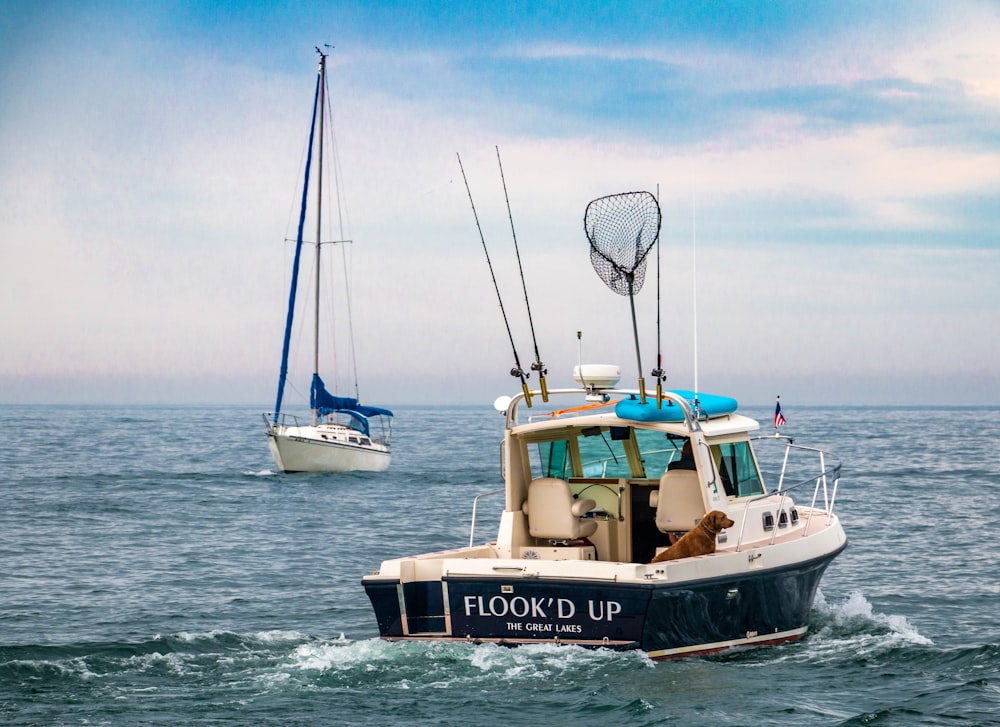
column 326, row 448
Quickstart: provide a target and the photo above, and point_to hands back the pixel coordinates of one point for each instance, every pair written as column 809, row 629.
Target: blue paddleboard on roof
column 710, row 405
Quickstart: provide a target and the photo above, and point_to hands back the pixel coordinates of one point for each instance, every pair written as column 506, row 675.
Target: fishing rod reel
column 660, row 375
column 518, row 373
column 540, row 368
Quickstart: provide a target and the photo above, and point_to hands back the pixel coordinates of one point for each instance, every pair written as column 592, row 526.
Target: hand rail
column 475, row 504
column 282, row 421
column 821, row 480
column 690, row 417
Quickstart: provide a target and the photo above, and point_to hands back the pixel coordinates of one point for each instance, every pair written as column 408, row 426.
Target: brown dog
column 700, row 541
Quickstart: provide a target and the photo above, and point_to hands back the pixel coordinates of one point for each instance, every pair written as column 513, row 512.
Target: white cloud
column 141, row 232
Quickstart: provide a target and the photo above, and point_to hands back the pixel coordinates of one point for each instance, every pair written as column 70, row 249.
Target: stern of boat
column 562, row 595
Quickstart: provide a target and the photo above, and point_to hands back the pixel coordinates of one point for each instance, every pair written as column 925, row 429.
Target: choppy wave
column 242, row 670
column 424, row 660
column 855, row 627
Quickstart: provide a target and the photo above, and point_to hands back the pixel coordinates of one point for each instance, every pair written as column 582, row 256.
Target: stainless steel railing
column 475, row 505
column 827, row 482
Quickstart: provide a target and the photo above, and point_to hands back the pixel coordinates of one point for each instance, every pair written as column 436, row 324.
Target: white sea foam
column 857, row 610
column 854, row 629
column 170, row 662
column 484, row 660
column 266, row 637
column 545, row 660
column 278, row 635
column 339, row 654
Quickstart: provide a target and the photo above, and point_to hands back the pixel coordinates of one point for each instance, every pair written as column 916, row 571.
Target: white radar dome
column 597, row 376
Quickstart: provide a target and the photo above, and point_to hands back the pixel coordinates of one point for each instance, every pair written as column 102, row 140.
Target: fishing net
column 622, row 229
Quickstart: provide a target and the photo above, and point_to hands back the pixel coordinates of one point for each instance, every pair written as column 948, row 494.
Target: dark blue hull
column 662, row 619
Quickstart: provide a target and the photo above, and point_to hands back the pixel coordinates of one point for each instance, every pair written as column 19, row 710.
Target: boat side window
column 737, row 469
column 554, row 459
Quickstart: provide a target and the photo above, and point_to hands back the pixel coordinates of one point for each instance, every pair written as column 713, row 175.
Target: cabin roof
column 715, row 426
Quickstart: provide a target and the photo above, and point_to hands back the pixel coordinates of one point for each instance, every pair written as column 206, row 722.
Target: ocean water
column 154, row 570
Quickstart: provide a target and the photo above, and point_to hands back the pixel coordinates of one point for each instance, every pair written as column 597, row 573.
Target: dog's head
column 716, row 521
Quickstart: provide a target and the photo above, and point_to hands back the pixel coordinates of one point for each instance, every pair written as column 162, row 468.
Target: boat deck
column 576, row 561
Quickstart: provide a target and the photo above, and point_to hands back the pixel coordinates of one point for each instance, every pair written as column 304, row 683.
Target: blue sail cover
column 326, row 403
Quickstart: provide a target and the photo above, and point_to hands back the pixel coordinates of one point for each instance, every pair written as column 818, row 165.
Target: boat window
column 737, row 469
column 554, row 459
column 658, row 450
column 604, row 452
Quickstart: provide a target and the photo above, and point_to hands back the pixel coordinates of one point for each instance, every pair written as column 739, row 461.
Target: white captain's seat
column 678, row 501
column 553, row 514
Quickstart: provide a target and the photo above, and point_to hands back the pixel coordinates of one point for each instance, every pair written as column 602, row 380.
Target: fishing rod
column 537, row 365
column 517, row 371
column 658, row 372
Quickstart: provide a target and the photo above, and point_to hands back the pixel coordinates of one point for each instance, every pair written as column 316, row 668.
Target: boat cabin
column 645, row 491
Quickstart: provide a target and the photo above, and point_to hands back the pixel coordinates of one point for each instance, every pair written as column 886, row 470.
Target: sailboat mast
column 319, row 208
column 290, row 315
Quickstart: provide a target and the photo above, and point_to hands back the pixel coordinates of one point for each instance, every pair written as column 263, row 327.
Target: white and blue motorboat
column 594, row 488
column 590, row 498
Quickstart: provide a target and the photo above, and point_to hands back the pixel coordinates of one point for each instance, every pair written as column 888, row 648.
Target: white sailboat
column 339, row 436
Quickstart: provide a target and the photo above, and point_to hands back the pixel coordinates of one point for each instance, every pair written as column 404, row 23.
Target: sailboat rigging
column 339, row 437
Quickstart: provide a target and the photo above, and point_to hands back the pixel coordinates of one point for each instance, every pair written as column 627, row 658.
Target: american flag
column 779, row 418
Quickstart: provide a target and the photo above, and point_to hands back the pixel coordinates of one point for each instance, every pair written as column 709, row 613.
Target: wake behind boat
column 338, row 435
column 597, row 489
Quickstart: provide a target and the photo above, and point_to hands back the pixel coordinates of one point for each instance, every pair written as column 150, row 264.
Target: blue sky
column 829, row 175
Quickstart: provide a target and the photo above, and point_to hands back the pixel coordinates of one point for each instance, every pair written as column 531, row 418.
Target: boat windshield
column 608, row 452
column 737, row 469
column 631, row 452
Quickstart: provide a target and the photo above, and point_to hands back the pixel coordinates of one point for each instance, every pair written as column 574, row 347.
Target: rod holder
column 527, row 393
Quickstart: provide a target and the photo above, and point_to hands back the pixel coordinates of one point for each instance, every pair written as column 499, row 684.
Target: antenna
column 517, row 371
column 694, row 286
column 537, row 365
